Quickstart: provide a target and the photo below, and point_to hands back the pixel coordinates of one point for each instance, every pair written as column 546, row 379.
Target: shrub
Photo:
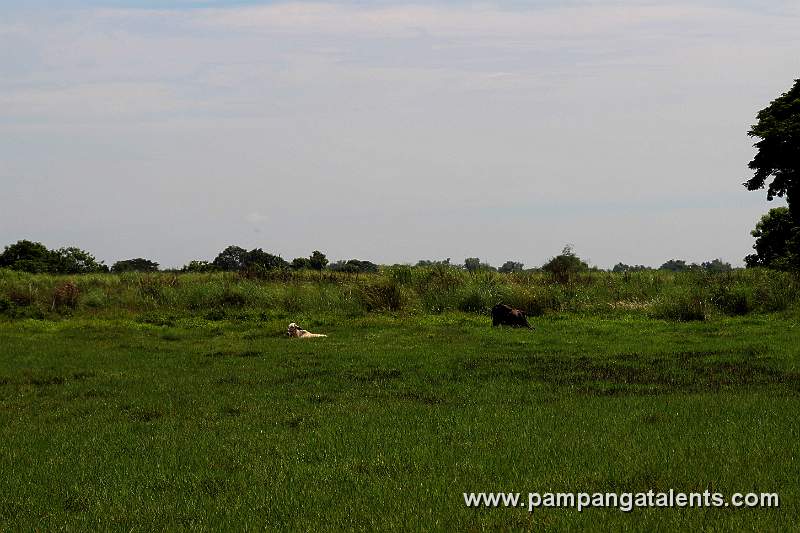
column 95, row 298
column 292, row 300
column 732, row 300
column 682, row 307
column 472, row 302
column 65, row 295
column 22, row 296
column 231, row 298
column 482, row 291
column 383, row 295
column 401, row 274
column 773, row 296
column 534, row 303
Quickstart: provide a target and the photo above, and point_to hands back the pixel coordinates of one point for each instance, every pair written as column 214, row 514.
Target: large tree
column 260, row 260
column 135, row 265
column 510, row 266
column 778, row 156
column 777, row 241
column 231, row 258
column 72, row 260
column 562, row 267
column 317, row 261
column 28, row 256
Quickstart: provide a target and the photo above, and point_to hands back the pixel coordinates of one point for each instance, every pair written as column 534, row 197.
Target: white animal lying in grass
column 296, row 331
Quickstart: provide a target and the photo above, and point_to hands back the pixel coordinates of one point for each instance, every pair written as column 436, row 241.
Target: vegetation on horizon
column 690, row 295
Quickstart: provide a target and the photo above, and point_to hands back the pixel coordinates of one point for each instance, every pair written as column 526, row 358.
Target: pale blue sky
column 389, row 131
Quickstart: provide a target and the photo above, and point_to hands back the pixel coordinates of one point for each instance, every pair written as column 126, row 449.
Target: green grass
column 158, row 421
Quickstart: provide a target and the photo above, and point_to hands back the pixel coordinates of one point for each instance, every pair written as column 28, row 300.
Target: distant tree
column 353, row 266
column 563, row 266
column 716, row 265
column 675, row 265
column 428, row 262
column 259, row 259
column 231, row 259
column 300, row 263
column 35, row 257
column 778, row 155
column 73, row 260
column 135, row 265
column 199, row 266
column 777, row 241
column 28, row 256
column 317, row 261
column 510, row 266
column 236, row 258
column 473, row 264
column 622, row 267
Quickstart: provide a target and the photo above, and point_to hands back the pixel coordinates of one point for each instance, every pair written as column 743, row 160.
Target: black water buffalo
column 503, row 315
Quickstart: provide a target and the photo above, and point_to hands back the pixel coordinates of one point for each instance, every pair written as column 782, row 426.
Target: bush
column 292, row 300
column 772, row 296
column 733, row 300
column 534, row 303
column 384, row 295
column 401, row 274
column 95, row 298
column 65, row 295
column 683, row 308
column 22, row 296
column 473, row 302
column 231, row 298
column 481, row 292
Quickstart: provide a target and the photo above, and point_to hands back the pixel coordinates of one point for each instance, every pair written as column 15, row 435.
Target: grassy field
column 163, row 416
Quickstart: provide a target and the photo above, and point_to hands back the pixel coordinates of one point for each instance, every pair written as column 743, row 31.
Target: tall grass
column 412, row 290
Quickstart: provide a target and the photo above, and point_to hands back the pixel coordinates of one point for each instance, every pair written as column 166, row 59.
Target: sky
column 391, row 131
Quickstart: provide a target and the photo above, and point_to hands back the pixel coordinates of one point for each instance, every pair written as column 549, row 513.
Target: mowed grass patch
column 211, row 424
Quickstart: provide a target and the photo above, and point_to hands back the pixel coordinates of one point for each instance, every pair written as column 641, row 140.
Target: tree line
column 35, row 257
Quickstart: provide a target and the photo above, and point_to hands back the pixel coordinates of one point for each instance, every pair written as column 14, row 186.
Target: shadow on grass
column 634, row 373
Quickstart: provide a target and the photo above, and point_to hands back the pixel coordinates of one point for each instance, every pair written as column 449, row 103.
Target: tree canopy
column 474, row 264
column 622, row 267
column 565, row 265
column 135, row 265
column 261, row 260
column 236, row 258
column 353, row 266
column 317, row 261
column 778, row 155
column 27, row 256
column 230, row 259
column 777, row 241
column 34, row 257
column 510, row 266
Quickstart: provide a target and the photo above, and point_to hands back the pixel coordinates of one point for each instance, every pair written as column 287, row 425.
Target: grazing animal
column 503, row 315
column 297, row 332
